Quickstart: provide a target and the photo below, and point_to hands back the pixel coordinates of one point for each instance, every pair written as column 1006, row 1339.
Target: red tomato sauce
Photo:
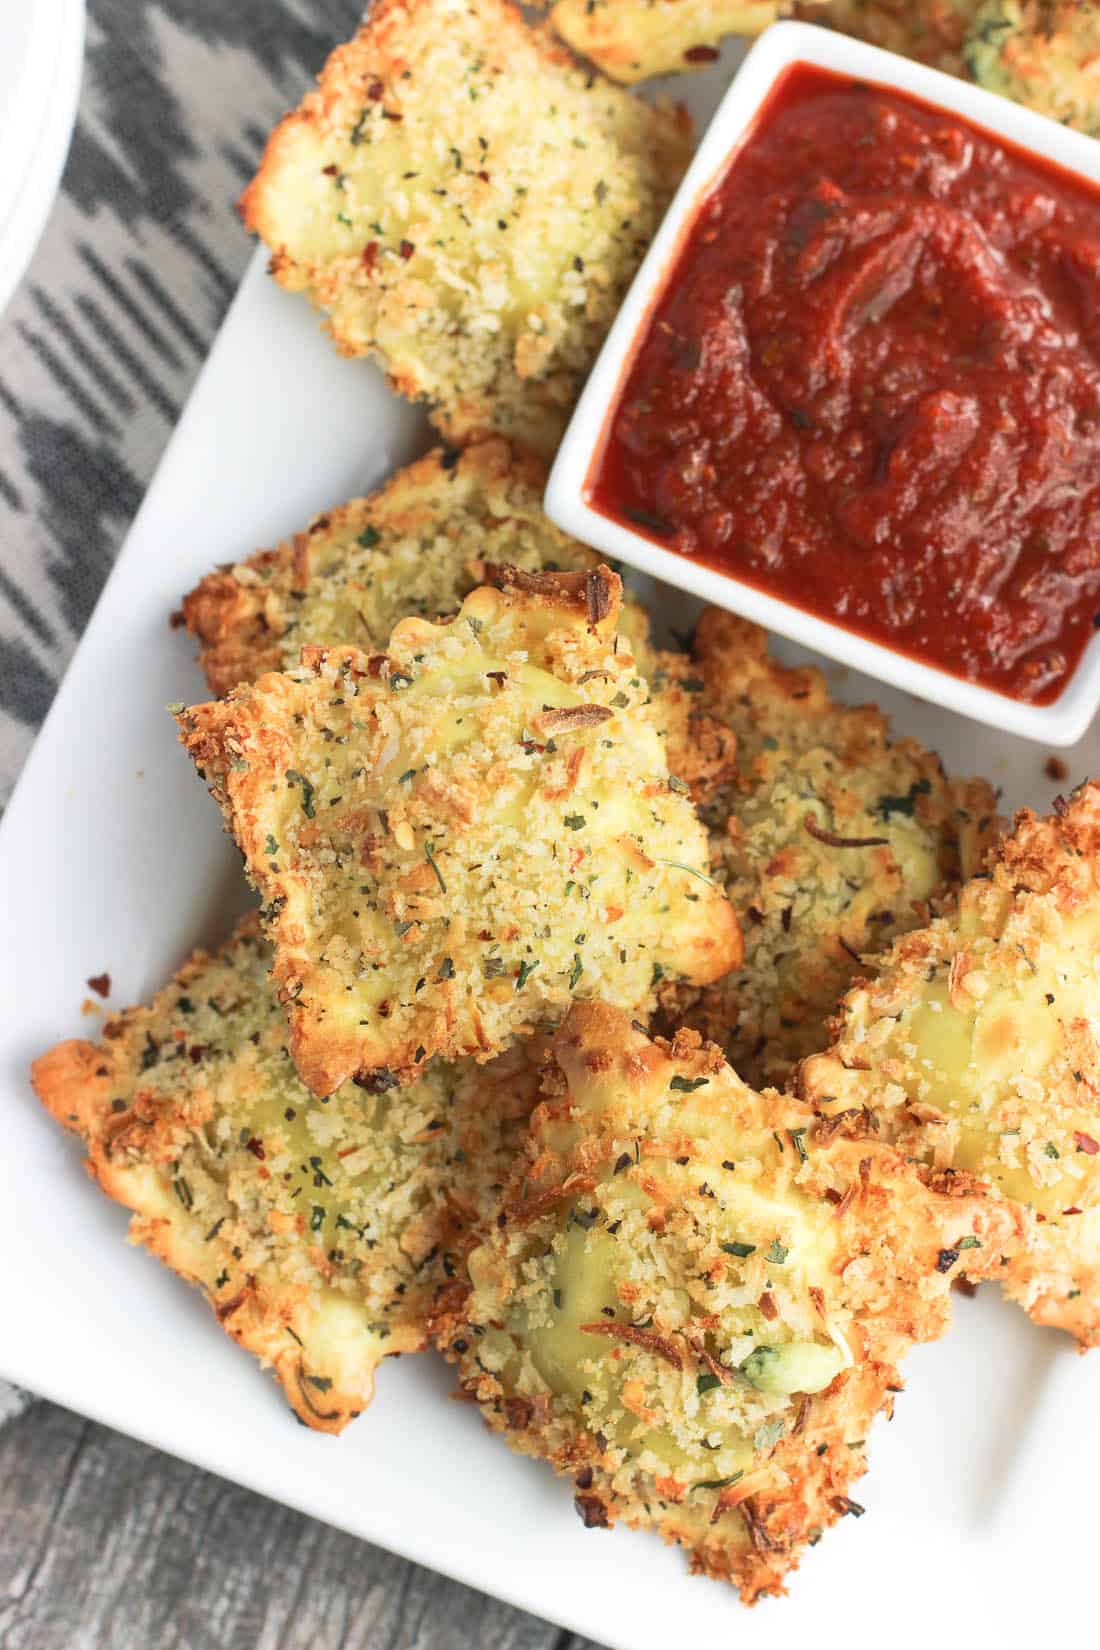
column 871, row 386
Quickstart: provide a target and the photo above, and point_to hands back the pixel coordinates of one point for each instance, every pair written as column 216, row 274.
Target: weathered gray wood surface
column 108, row 1545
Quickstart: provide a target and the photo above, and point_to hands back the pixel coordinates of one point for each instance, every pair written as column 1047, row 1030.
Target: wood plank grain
column 108, row 1545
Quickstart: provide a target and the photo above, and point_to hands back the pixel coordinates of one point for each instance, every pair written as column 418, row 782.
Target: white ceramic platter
column 41, row 52
column 982, row 1496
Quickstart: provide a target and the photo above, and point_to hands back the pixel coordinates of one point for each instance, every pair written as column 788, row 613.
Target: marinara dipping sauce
column 871, row 385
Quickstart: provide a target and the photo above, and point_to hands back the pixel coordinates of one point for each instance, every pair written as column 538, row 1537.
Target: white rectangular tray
column 983, row 1493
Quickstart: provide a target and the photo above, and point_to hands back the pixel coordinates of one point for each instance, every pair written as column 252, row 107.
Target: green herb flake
column 706, row 1383
column 741, row 1250
column 295, row 778
column 968, row 1242
column 575, row 822
column 317, row 1218
column 767, row 1436
column 906, row 804
column 688, row 1085
column 675, row 865
column 430, row 854
column 798, row 1141
column 526, row 969
column 271, row 846
column 446, row 969
column 777, row 1254
column 576, row 971
column 368, row 538
column 717, row 1483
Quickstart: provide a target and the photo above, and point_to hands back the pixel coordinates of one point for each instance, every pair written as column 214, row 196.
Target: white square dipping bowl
column 1061, row 722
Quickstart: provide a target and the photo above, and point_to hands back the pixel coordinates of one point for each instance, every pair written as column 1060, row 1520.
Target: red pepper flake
column 198, row 1052
column 101, row 985
column 406, row 250
column 767, row 1305
column 593, row 1513
column 648, row 1339
column 1085, row 1142
column 256, row 1148
column 518, row 1413
column 1056, row 769
column 330, row 171
column 370, row 255
column 1074, row 1211
column 701, row 54
column 375, row 90
column 831, row 840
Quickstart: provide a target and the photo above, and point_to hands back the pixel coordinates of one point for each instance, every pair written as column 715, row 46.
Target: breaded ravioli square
column 416, row 546
column 1043, row 53
column 437, row 529
column 632, row 40
column 455, row 838
column 469, row 205
column 977, row 1047
column 830, row 840
column 318, row 1231
column 695, row 1297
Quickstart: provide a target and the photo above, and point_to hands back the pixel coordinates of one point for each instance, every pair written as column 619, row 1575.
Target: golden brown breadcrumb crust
column 438, row 528
column 831, row 840
column 977, row 1046
column 469, row 205
column 932, row 31
column 1043, row 53
column 695, row 1300
column 633, row 40
column 318, row 1232
column 414, row 546
column 455, row 838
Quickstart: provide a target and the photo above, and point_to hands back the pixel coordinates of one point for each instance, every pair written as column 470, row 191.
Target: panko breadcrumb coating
column 830, row 843
column 632, row 40
column 429, row 536
column 455, row 838
column 1044, row 53
column 696, row 1298
column 977, row 1047
column 932, row 31
column 469, row 205
column 318, row 1231
column 412, row 547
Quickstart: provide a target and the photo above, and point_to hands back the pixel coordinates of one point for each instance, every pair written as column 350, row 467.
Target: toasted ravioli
column 416, row 546
column 977, row 1047
column 830, row 842
column 1045, row 53
column 468, row 205
column 932, row 31
column 697, row 1296
column 318, row 1231
column 455, row 838
column 436, row 529
column 633, row 39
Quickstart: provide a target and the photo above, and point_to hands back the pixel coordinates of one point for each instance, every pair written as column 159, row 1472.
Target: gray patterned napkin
column 102, row 342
